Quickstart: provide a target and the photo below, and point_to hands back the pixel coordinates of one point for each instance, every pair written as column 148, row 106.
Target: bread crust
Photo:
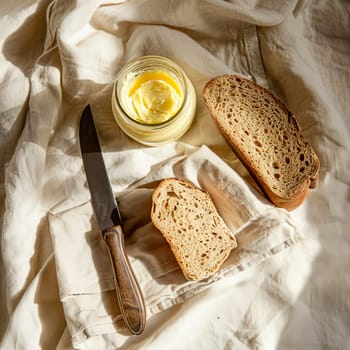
column 289, row 200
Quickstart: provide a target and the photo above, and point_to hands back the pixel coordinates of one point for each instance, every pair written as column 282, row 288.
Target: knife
column 109, row 220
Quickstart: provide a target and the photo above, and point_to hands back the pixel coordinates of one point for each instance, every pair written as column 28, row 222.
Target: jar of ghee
column 153, row 100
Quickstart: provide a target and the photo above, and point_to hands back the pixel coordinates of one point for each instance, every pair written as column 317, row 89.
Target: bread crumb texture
column 190, row 223
column 265, row 136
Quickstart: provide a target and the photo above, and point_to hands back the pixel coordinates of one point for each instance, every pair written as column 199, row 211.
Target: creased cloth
column 57, row 56
column 84, row 271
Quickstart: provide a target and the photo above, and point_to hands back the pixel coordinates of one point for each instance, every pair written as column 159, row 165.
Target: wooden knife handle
column 128, row 291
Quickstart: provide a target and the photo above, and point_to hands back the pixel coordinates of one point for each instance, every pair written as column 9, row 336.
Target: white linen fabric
column 84, row 273
column 56, row 291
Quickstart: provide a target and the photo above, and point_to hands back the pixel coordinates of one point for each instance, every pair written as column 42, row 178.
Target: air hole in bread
column 276, row 165
column 302, row 157
column 277, row 176
column 302, row 169
column 258, row 143
column 287, row 160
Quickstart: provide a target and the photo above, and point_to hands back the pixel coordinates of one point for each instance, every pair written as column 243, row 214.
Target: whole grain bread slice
column 188, row 220
column 266, row 138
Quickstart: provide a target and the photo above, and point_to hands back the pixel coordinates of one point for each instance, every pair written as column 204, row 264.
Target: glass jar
column 153, row 100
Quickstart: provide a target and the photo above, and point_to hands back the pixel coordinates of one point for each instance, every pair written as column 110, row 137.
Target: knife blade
column 108, row 217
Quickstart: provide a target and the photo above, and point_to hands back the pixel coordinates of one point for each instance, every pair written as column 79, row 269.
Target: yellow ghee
column 153, row 100
column 154, row 97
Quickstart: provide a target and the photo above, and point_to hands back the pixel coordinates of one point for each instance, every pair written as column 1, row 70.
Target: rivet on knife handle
column 128, row 291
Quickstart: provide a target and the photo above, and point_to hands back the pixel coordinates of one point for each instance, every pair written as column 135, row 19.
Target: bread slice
column 266, row 138
column 196, row 233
